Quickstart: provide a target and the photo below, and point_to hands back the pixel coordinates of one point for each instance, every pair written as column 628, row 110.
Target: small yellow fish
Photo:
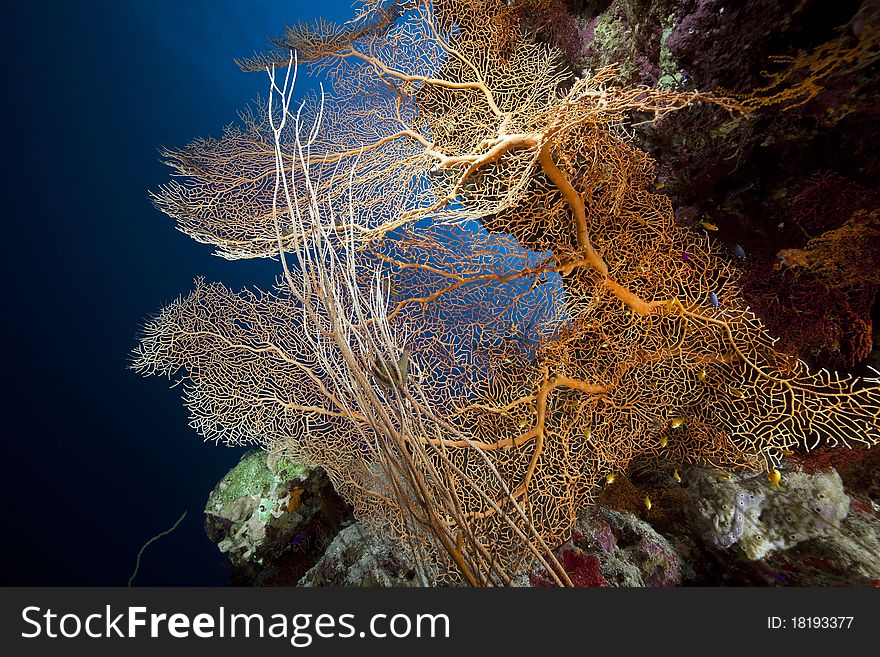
column 723, row 476
column 609, row 478
column 708, row 226
column 588, row 433
column 664, row 441
column 787, row 452
column 676, row 476
column 648, row 503
column 701, row 375
column 774, row 477
column 676, row 422
column 736, row 392
column 522, row 424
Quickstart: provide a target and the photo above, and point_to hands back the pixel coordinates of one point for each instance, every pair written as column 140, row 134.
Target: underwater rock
column 639, row 555
column 754, row 517
column 847, row 557
column 732, row 529
column 819, row 527
column 613, row 548
column 583, row 569
column 273, row 518
column 360, row 557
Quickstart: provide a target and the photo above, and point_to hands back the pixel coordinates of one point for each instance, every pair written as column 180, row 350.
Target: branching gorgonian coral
column 420, row 344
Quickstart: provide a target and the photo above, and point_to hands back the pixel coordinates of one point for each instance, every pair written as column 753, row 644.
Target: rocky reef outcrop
column 273, row 518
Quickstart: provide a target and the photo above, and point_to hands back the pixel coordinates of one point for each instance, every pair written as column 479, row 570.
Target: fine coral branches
column 802, row 77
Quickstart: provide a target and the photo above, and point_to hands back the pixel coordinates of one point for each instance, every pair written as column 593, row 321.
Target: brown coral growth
column 802, row 77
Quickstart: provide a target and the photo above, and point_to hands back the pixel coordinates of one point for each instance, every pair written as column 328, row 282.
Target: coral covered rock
column 612, row 548
column 752, row 515
column 360, row 557
column 272, row 517
column 847, row 557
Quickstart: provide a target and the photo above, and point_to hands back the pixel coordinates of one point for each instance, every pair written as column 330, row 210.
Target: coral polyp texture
column 484, row 309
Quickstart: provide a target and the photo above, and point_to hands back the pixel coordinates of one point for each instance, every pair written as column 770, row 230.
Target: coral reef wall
column 802, row 164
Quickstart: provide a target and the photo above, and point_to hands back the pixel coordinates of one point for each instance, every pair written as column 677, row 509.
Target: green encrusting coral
column 246, row 501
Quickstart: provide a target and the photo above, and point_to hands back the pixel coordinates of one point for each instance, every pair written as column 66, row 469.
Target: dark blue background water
column 96, row 459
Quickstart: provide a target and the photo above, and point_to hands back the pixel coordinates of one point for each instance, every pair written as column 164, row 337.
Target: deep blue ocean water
column 97, row 459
